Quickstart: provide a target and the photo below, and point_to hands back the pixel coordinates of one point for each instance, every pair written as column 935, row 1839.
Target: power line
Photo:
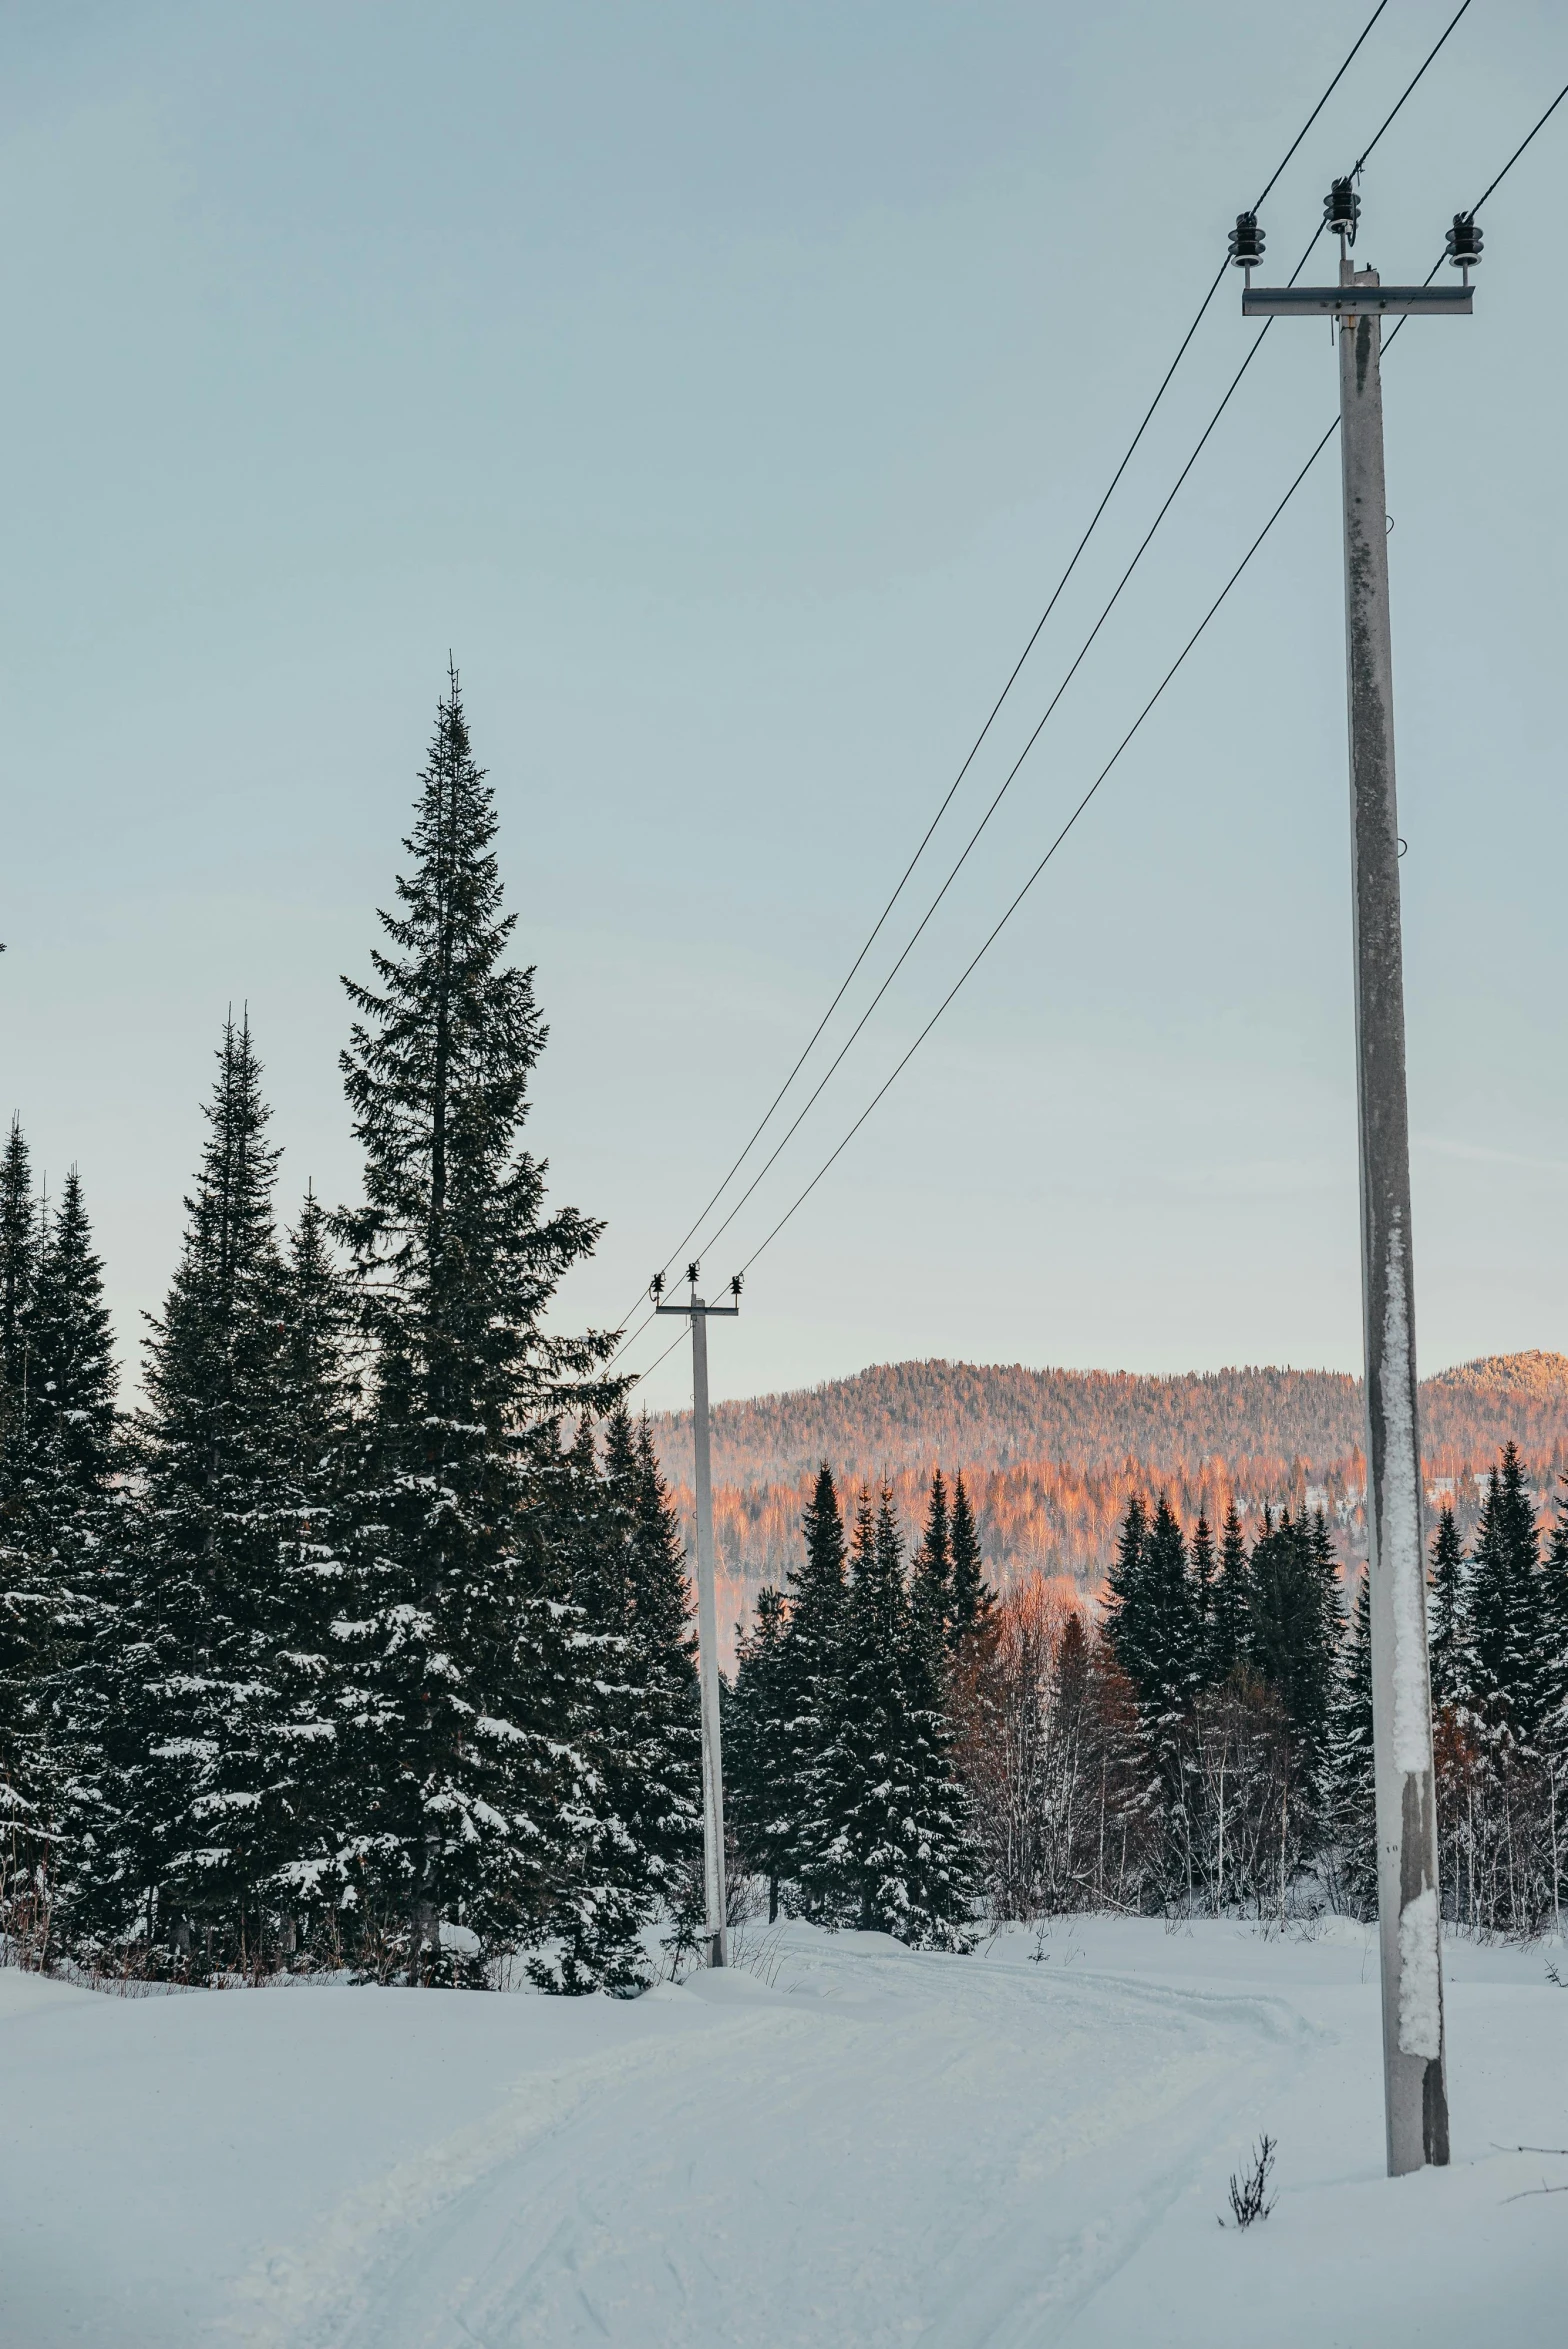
column 801, row 1198
column 1083, row 803
column 1514, row 157
column 1322, row 102
column 1007, row 916
column 1361, row 159
column 658, row 1358
column 1072, row 671
column 1051, row 604
column 1009, row 778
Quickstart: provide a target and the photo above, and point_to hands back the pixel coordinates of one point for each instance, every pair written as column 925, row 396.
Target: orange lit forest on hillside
column 1051, row 1457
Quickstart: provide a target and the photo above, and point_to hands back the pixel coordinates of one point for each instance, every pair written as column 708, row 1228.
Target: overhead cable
column 1051, row 604
column 1083, row 803
column 1361, row 159
column 1072, row 671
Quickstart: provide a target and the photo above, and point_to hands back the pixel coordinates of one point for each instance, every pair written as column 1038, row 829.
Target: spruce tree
column 972, row 1599
column 807, row 1678
column 25, row 1611
column 303, row 1807
column 1324, row 1558
column 1446, row 1605
column 1157, row 1629
column 18, row 1273
column 1123, row 1625
column 668, row 1816
column 605, row 1880
column 1204, row 1568
column 1350, row 1780
column 467, row 1640
column 20, row 1597
column 755, row 1746
column 636, row 1717
column 1292, row 1628
column 71, row 1515
column 195, row 1692
column 1226, row 1645
column 1503, row 1611
column 890, row 1850
column 933, row 1574
column 1554, row 1695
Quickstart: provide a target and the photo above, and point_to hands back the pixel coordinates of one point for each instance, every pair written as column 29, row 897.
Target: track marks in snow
column 884, row 2150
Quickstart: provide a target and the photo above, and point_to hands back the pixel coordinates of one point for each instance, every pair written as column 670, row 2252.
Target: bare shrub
column 1250, row 2198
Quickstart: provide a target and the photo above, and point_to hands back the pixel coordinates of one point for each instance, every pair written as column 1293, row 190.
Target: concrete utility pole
column 715, row 1893
column 1415, row 2084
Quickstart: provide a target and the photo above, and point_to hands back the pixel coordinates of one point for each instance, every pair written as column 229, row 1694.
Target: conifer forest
column 362, row 1645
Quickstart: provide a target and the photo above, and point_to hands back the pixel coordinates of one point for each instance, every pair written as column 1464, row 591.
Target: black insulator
column 735, row 1285
column 1246, row 241
column 656, row 1287
column 692, row 1271
column 1342, row 210
column 1464, row 241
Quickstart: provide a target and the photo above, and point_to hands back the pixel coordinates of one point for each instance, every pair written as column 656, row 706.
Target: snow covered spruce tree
column 633, row 1717
column 1350, row 1784
column 665, row 1809
column 931, row 1589
column 23, row 1599
column 479, row 1802
column 754, row 1746
column 70, row 1524
column 222, row 1694
column 1446, row 1584
column 805, row 1683
column 890, row 1850
column 1226, row 1642
column 57, row 1425
column 1155, row 1628
column 970, row 1597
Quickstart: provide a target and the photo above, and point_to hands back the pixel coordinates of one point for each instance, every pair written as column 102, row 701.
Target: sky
column 725, row 388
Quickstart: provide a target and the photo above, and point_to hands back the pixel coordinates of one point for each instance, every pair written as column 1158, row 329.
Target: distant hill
column 907, row 1414
column 1051, row 1456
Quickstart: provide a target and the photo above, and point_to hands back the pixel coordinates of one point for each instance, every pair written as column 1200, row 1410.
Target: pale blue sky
column 725, row 386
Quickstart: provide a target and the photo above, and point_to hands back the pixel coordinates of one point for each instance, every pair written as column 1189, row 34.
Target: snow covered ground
column 848, row 2145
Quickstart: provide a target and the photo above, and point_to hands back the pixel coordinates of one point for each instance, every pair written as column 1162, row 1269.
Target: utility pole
column 715, row 1895
column 1409, row 1908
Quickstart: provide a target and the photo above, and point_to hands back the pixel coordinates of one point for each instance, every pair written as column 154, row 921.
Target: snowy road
column 868, row 2148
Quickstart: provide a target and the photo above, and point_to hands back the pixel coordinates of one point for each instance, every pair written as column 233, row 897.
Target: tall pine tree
column 755, row 1746
column 933, row 1574
column 71, row 1513
column 1503, row 1612
column 889, row 1848
column 194, row 1693
column 1446, row 1605
column 1226, row 1645
column 466, row 1639
column 971, row 1599
column 808, row 1669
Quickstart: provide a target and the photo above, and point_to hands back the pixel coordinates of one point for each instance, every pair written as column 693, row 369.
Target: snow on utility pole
column 1409, row 1917
column 715, row 1895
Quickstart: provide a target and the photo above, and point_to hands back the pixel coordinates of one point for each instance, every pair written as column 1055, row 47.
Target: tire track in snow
column 895, row 2149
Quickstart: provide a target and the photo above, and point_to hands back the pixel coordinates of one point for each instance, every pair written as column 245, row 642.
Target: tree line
column 363, row 1642
column 1202, row 1744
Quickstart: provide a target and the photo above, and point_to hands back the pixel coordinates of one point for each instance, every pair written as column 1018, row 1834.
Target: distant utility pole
column 714, row 1891
column 1415, row 2085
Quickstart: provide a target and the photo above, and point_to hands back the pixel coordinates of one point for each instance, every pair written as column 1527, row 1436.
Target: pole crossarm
column 1355, row 301
column 697, row 1306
